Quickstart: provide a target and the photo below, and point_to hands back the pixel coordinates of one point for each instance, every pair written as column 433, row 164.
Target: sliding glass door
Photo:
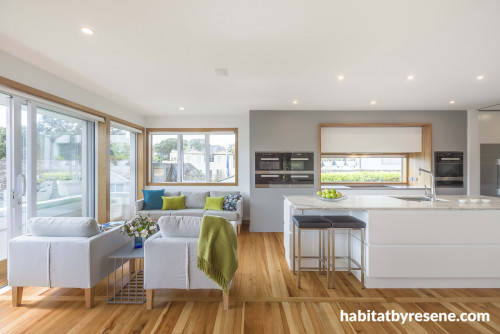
column 122, row 173
column 64, row 150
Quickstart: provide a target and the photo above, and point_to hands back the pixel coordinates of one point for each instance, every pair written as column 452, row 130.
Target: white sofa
column 170, row 258
column 195, row 203
column 62, row 252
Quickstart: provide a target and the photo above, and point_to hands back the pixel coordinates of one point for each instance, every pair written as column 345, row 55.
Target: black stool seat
column 311, row 222
column 345, row 222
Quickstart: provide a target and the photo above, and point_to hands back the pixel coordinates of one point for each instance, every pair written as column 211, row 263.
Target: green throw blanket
column 218, row 250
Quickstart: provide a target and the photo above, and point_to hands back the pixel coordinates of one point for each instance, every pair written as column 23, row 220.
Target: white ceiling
column 157, row 55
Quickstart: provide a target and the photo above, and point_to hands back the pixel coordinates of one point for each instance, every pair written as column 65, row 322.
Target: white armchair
column 61, row 252
column 170, row 258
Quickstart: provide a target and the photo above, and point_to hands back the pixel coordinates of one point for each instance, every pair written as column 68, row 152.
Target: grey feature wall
column 297, row 130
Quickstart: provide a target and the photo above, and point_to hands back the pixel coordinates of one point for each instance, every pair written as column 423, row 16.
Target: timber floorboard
column 264, row 298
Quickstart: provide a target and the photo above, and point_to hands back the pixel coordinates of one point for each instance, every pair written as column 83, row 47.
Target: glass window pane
column 347, row 169
column 222, row 158
column 3, row 187
column 164, row 158
column 194, row 167
column 59, row 165
column 122, row 174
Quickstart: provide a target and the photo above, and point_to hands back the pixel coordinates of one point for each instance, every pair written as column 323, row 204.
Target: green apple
column 329, row 196
column 319, row 193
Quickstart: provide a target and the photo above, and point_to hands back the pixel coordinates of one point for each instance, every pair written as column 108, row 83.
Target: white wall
column 241, row 121
column 25, row 73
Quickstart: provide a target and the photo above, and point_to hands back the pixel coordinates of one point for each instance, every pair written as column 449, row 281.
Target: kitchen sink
column 417, row 199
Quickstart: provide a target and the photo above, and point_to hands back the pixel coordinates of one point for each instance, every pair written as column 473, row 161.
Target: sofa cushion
column 214, row 203
column 230, row 202
column 152, row 199
column 173, row 203
column 219, row 193
column 172, row 193
column 187, row 227
column 229, row 215
column 156, row 214
column 189, row 212
column 195, row 200
column 63, row 226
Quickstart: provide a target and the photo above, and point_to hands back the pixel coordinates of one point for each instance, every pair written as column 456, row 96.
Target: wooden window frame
column 420, row 159
column 150, row 131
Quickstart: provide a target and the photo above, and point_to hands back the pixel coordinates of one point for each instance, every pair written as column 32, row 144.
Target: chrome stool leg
column 293, row 251
column 299, row 264
column 349, row 250
column 332, row 278
column 363, row 266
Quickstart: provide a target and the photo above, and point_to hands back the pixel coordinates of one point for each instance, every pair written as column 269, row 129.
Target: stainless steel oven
column 298, row 161
column 449, row 169
column 268, row 161
column 284, row 169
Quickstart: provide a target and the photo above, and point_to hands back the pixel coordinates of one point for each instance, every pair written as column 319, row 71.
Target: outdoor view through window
column 362, row 169
column 193, row 157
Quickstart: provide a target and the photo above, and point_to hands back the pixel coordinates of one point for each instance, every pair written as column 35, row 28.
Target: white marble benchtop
column 367, row 202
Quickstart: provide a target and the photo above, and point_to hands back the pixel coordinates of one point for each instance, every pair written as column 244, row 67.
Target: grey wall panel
column 297, row 130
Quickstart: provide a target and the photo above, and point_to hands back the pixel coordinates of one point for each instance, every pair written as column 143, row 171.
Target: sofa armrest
column 139, row 204
column 239, row 209
column 100, row 247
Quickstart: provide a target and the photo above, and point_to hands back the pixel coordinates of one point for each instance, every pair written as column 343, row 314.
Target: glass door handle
column 20, row 188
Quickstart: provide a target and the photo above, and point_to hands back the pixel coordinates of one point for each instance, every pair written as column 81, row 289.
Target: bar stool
column 350, row 224
column 322, row 225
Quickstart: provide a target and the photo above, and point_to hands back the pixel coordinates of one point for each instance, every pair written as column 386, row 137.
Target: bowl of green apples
column 330, row 195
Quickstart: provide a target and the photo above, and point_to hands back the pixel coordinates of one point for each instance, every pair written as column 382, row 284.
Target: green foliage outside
column 361, row 177
column 161, row 151
column 58, row 176
column 3, row 143
column 118, row 151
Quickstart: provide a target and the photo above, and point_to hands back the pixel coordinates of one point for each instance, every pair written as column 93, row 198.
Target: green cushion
column 214, row 203
column 173, row 203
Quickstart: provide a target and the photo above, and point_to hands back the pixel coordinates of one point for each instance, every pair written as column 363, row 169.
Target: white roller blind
column 124, row 127
column 371, row 139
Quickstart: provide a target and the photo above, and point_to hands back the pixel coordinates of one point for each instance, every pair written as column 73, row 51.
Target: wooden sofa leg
column 238, row 229
column 89, row 297
column 225, row 301
column 150, row 297
column 17, row 296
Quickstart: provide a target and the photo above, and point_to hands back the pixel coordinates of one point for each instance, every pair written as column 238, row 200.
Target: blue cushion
column 152, row 199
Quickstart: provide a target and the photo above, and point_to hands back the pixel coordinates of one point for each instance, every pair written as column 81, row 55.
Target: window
column 363, row 168
column 192, row 157
column 64, row 170
column 122, row 154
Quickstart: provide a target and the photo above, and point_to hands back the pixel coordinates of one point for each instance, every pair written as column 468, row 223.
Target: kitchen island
column 411, row 243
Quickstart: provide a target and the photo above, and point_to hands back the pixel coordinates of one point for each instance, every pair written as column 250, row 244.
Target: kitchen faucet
column 432, row 195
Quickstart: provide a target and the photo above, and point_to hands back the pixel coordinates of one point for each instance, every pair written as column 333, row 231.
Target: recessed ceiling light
column 340, row 77
column 373, row 102
column 181, row 108
column 295, row 102
column 87, row 30
column 480, row 77
column 410, row 77
column 452, row 102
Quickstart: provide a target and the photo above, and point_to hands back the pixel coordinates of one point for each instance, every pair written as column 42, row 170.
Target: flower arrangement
column 140, row 227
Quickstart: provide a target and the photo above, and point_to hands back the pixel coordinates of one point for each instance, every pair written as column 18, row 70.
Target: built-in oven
column 271, row 180
column 268, row 161
column 449, row 169
column 295, row 180
column 298, row 161
column 284, row 169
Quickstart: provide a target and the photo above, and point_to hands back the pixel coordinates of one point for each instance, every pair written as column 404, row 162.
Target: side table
column 131, row 283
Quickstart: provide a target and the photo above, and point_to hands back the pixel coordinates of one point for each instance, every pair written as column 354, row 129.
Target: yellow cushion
column 173, row 203
column 214, row 203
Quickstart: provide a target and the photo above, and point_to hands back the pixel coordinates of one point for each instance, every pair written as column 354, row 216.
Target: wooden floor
column 264, row 299
column 3, row 272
